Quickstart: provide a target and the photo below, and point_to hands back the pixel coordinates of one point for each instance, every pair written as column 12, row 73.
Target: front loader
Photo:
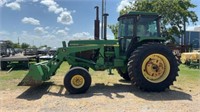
column 138, row 55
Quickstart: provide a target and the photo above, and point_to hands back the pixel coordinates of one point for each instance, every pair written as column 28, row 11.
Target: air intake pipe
column 105, row 25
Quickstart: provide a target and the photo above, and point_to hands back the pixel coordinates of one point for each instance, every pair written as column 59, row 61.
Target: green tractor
column 139, row 55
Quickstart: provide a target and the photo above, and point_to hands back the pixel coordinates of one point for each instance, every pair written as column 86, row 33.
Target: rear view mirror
column 138, row 17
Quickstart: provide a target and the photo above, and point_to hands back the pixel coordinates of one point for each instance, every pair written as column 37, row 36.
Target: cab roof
column 137, row 13
column 142, row 13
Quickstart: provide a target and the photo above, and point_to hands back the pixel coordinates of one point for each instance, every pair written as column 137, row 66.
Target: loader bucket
column 36, row 75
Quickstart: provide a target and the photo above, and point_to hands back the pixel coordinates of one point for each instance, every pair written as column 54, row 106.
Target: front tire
column 77, row 80
column 153, row 67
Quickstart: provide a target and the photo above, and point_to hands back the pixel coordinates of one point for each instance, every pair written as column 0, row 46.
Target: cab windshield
column 144, row 26
column 147, row 27
column 137, row 26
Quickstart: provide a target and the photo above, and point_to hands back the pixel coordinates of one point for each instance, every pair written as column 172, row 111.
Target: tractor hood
column 92, row 42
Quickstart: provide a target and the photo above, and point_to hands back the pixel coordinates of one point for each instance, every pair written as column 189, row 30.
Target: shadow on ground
column 110, row 91
column 34, row 93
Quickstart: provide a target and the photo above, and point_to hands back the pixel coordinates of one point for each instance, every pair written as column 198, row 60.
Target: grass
column 189, row 73
column 12, row 75
column 11, row 79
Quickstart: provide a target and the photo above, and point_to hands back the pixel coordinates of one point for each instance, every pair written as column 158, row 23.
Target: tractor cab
column 135, row 27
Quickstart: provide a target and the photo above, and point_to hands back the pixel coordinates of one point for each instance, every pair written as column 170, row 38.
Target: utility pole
column 182, row 5
column 102, row 19
column 184, row 19
column 199, row 49
column 18, row 40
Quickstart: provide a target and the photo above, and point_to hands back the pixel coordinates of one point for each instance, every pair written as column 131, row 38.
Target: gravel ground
column 104, row 95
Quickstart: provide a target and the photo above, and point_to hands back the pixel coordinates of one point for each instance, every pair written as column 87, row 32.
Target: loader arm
column 65, row 54
column 43, row 71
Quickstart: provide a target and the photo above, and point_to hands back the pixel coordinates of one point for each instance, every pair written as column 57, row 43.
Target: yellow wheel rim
column 155, row 68
column 77, row 81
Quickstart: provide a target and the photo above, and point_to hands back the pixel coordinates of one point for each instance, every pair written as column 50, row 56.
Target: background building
column 192, row 38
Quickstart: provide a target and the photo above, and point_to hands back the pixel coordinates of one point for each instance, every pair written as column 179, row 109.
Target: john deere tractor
column 138, row 55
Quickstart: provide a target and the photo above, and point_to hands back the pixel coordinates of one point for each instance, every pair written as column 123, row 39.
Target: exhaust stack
column 96, row 24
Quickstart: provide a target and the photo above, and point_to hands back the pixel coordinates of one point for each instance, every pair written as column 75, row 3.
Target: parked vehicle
column 43, row 51
column 5, row 49
column 52, row 51
column 30, row 51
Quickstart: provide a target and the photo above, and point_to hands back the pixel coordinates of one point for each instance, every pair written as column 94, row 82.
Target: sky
column 49, row 22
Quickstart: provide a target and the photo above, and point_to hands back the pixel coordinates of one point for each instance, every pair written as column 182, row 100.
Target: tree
column 33, row 46
column 16, row 45
column 25, row 45
column 114, row 29
column 174, row 13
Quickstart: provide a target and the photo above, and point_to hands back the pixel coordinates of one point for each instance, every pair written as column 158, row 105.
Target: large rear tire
column 153, row 67
column 125, row 75
column 77, row 80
